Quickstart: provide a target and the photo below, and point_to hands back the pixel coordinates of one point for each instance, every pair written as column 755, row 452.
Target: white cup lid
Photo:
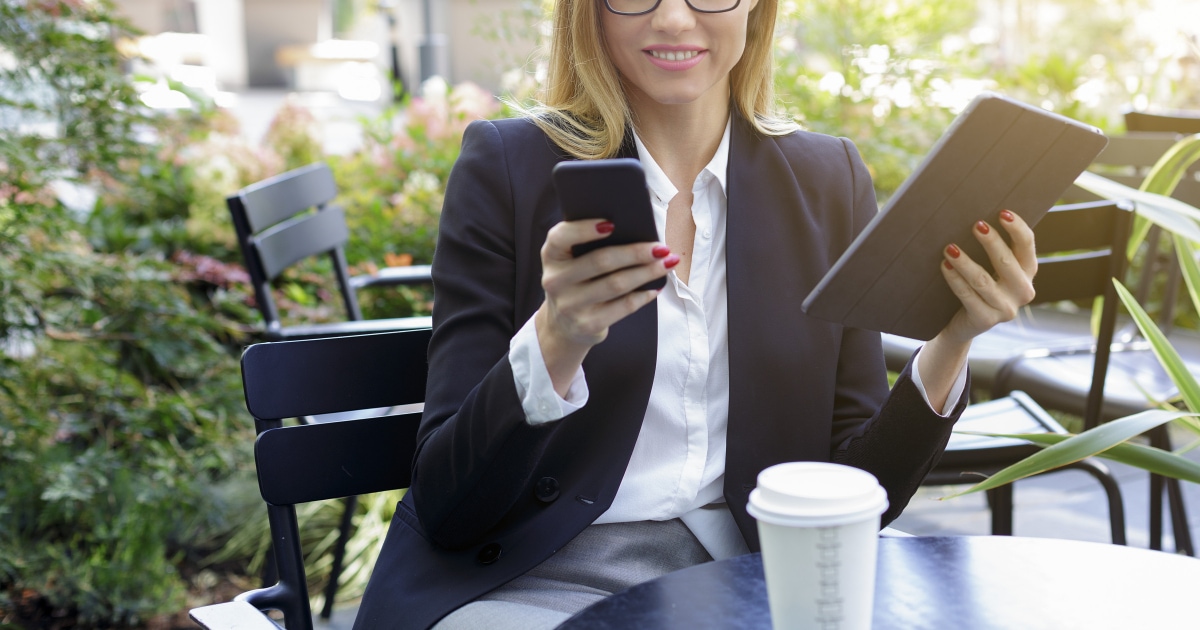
column 815, row 494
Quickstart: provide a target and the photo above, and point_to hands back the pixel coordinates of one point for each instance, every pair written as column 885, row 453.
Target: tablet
column 998, row 153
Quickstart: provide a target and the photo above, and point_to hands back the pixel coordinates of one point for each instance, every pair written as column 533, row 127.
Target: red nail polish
column 605, row 227
column 1007, row 216
column 982, row 227
column 660, row 251
column 953, row 251
column 671, row 261
column 947, row 264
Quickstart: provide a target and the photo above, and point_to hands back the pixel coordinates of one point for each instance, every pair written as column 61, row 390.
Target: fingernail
column 660, row 251
column 953, row 251
column 1007, row 216
column 671, row 261
column 605, row 227
column 946, row 263
column 982, row 227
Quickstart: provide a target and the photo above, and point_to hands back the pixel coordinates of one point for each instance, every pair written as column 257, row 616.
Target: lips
column 674, row 58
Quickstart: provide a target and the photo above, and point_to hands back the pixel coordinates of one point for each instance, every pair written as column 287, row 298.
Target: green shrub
column 392, row 189
column 877, row 72
column 120, row 410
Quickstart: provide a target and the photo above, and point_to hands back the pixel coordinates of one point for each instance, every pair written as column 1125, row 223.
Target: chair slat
column 1072, row 277
column 276, row 198
column 359, row 372
column 1083, row 226
column 1136, row 149
column 360, row 327
column 291, row 242
column 1183, row 122
column 313, row 462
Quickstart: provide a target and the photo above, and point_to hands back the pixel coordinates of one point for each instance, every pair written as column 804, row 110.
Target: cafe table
column 936, row 583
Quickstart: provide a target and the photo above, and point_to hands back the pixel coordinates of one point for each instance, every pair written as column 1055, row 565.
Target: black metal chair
column 1188, row 191
column 1081, row 250
column 304, row 463
column 288, row 218
column 1060, row 378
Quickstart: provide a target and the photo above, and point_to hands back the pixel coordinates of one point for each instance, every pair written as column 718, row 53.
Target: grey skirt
column 600, row 561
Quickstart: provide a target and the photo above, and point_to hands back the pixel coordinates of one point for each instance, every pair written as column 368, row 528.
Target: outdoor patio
column 1066, row 504
column 129, row 494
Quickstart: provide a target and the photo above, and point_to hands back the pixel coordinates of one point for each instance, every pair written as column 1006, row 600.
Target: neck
column 682, row 138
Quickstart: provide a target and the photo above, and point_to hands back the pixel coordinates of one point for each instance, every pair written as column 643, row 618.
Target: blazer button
column 546, row 489
column 490, row 553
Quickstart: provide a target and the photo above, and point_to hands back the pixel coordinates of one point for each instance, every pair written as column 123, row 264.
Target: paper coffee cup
column 818, row 524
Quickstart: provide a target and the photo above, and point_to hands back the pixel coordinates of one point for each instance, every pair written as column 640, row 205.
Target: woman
column 581, row 435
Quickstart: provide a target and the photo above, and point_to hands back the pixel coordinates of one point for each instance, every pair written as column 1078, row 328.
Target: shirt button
column 707, row 233
column 490, row 553
column 546, row 489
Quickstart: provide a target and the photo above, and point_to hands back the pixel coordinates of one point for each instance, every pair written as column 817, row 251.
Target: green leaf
column 1191, row 272
column 1171, row 214
column 1148, row 458
column 1189, row 389
column 1086, row 444
column 1171, row 167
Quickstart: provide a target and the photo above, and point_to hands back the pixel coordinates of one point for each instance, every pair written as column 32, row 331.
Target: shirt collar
column 658, row 182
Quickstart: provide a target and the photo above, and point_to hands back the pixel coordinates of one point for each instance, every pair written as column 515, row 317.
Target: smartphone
column 612, row 189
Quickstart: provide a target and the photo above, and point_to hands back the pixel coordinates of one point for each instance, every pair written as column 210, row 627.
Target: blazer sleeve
column 903, row 438
column 475, row 450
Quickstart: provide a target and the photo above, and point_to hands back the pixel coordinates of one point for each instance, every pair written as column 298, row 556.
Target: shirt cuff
column 535, row 389
column 956, row 390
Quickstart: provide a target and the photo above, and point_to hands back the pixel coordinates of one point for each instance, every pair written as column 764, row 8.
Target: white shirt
column 677, row 467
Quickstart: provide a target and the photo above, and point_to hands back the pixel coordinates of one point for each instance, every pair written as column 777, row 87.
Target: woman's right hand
column 588, row 294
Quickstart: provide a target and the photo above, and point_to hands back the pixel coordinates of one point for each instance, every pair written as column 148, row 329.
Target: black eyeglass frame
column 658, row 2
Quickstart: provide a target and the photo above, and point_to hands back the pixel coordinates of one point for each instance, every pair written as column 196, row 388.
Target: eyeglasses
column 642, row 7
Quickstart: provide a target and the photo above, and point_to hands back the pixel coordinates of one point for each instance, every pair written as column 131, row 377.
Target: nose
column 673, row 17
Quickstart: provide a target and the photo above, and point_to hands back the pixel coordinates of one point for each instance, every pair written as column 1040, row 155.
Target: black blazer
column 492, row 496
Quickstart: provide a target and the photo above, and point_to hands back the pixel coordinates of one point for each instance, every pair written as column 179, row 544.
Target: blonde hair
column 584, row 109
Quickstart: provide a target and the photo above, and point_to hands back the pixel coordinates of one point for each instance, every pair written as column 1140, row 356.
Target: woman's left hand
column 990, row 298
column 987, row 298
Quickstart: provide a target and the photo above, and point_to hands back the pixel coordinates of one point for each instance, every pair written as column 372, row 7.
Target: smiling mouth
column 667, row 55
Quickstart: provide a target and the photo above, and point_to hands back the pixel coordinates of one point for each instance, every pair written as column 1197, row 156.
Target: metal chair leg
column 1156, row 512
column 1000, row 501
column 1002, row 510
column 1116, row 505
column 339, row 555
column 1160, row 438
column 1179, row 519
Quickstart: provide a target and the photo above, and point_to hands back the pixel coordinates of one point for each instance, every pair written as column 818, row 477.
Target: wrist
column 561, row 355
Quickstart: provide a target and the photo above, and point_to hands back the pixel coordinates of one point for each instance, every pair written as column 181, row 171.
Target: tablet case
column 997, row 154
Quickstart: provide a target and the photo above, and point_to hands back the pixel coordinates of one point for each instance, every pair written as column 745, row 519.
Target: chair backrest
column 1188, row 191
column 1177, row 122
column 311, row 462
column 1081, row 250
column 285, row 219
column 1127, row 159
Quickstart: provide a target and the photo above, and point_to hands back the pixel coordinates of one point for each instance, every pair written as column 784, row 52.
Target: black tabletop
column 933, row 583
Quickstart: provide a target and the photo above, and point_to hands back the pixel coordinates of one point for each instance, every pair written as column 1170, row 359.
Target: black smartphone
column 612, row 189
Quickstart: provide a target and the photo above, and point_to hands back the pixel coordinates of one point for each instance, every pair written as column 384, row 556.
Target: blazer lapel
column 779, row 358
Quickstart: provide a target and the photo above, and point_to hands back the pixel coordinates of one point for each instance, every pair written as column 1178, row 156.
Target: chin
column 676, row 98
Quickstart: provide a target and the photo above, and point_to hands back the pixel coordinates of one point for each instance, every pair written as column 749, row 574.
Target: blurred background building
column 345, row 46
